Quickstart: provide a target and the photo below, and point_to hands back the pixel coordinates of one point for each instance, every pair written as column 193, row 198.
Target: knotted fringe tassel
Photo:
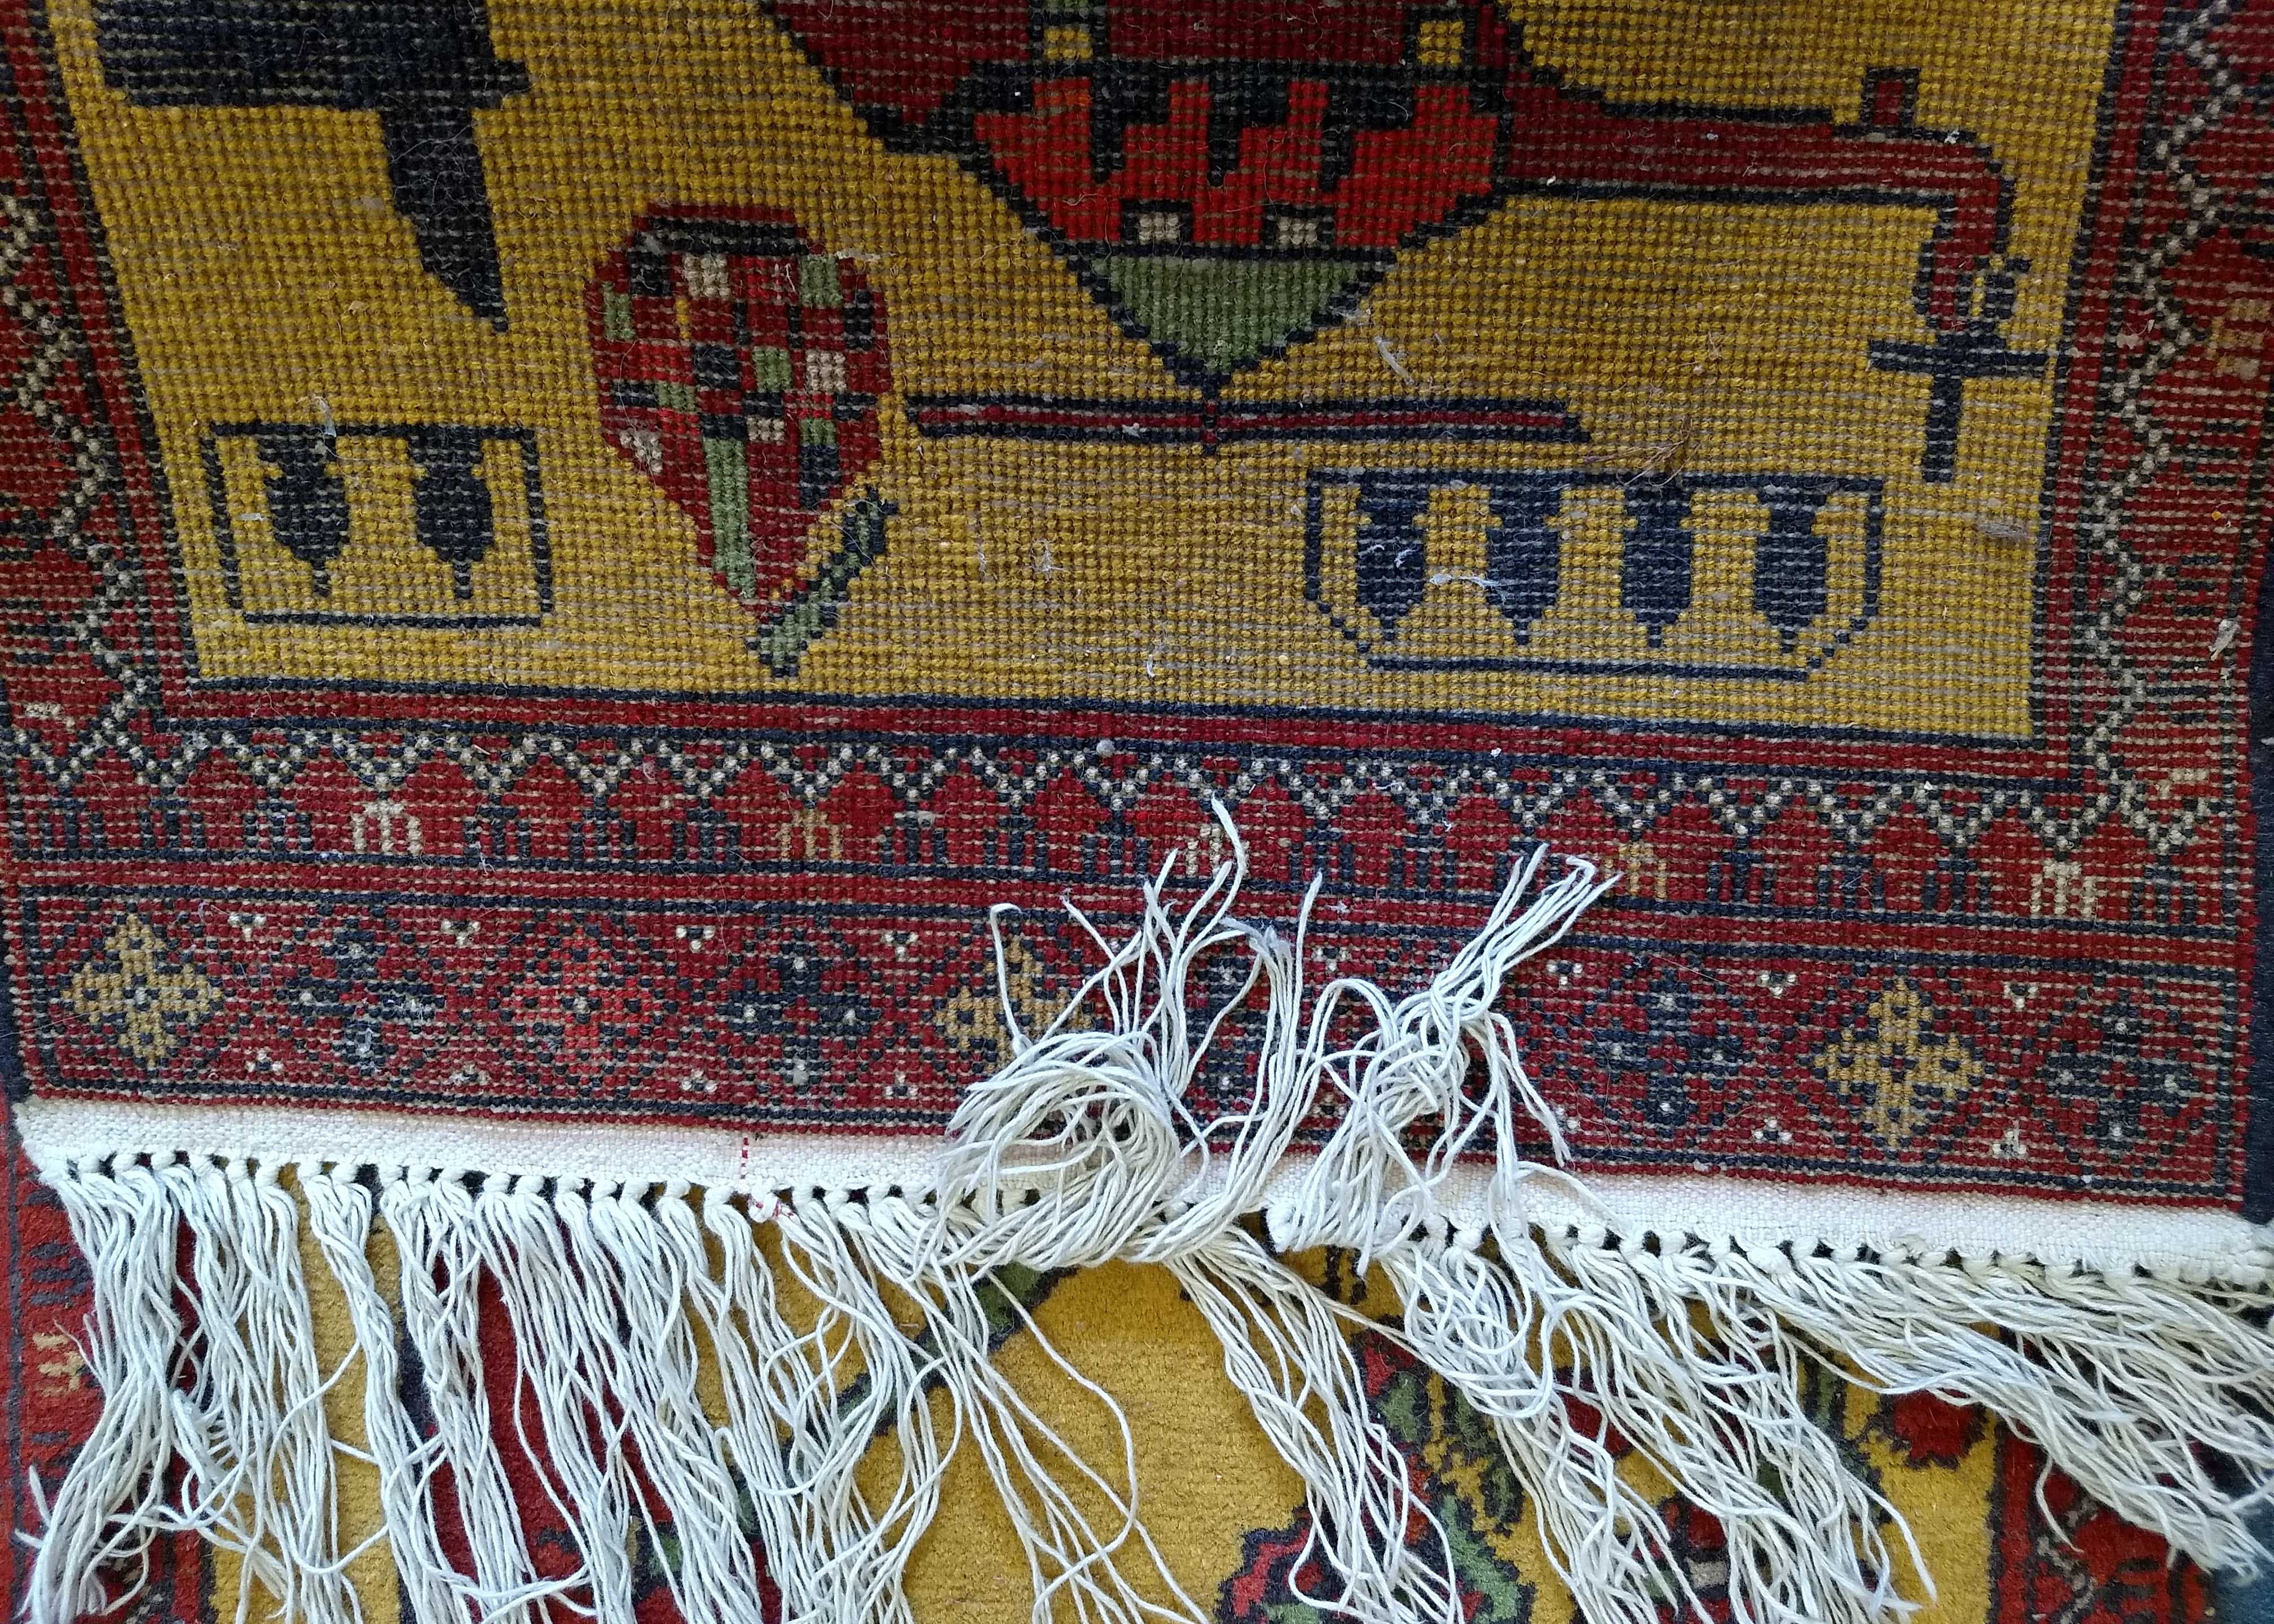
column 340, row 1216
column 110, row 1504
column 431, row 1219
column 833, row 1321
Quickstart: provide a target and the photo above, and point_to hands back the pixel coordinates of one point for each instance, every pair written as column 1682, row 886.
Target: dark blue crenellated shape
column 307, row 498
column 1393, row 562
column 1655, row 575
column 1792, row 564
column 451, row 504
column 1524, row 553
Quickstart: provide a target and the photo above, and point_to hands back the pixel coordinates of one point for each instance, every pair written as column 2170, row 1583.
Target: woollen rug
column 882, row 810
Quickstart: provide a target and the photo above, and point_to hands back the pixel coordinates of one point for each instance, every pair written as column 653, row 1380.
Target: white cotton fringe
column 623, row 1304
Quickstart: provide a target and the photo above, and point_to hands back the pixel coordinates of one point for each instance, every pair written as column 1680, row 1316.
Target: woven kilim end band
column 690, row 688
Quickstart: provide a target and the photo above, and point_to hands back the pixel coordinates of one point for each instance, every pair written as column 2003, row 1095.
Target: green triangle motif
column 1219, row 312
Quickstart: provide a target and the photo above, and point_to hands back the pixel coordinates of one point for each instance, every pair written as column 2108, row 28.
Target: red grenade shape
column 740, row 367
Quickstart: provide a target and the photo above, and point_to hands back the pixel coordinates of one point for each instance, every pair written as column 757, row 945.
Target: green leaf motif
column 1405, row 1409
column 1469, row 1433
column 806, row 615
column 1506, row 1598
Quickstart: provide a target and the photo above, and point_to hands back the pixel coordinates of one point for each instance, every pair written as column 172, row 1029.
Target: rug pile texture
column 1136, row 810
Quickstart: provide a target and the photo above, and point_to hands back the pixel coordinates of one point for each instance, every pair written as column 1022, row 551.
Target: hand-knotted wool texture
column 557, row 556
